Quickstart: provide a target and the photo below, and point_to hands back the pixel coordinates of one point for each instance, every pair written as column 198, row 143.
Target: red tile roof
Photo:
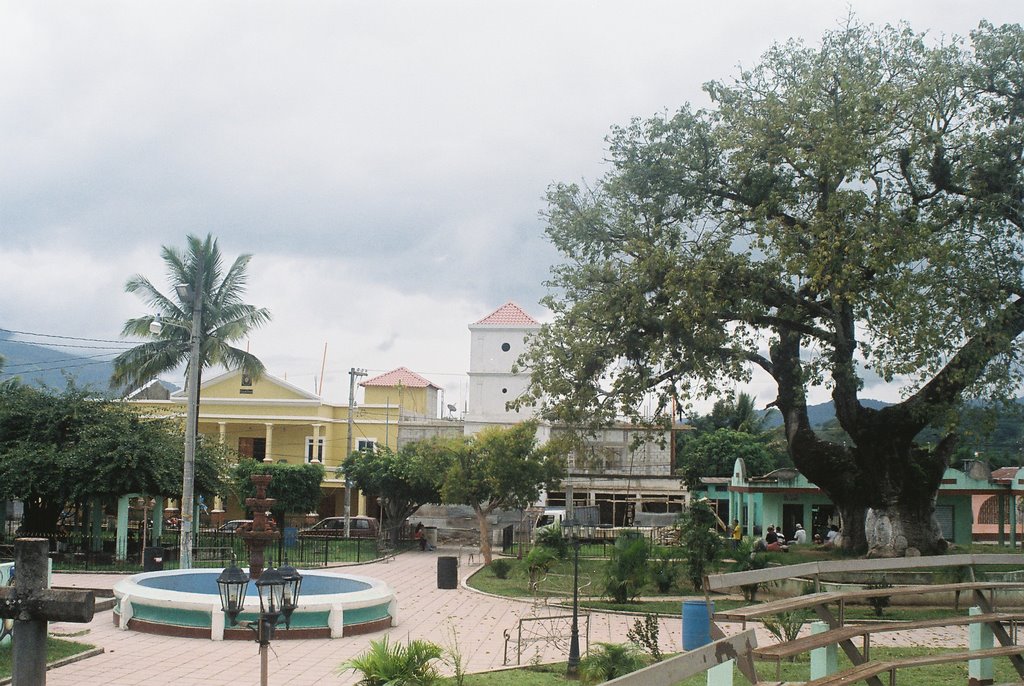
column 509, row 314
column 402, row 376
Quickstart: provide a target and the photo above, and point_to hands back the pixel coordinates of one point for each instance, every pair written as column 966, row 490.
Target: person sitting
column 420, row 536
column 799, row 536
column 771, row 540
column 831, row 535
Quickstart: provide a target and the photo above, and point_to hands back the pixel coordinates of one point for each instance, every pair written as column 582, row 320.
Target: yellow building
column 274, row 421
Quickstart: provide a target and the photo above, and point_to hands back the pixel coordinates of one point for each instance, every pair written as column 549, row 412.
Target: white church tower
column 496, row 343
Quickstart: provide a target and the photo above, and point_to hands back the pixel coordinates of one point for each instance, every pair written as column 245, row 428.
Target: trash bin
column 696, row 624
column 291, row 536
column 448, row 572
column 153, row 559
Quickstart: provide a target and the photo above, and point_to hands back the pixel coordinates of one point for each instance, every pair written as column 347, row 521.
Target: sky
column 384, row 162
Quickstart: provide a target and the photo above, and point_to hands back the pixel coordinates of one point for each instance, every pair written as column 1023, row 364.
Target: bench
column 779, row 651
column 871, row 670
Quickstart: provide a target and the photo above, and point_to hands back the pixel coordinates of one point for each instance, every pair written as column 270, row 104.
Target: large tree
column 500, row 467
column 843, row 214
column 61, row 448
column 404, row 480
column 225, row 318
column 294, row 487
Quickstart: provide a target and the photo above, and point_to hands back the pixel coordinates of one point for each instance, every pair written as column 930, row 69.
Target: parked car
column 232, row 526
column 334, row 527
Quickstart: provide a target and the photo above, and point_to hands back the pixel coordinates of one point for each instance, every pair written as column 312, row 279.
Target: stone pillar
column 314, row 456
column 268, row 457
column 823, row 660
column 222, row 435
column 122, row 528
column 158, row 518
column 97, row 525
column 979, row 672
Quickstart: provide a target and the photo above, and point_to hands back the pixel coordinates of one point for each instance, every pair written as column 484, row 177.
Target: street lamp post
column 352, row 374
column 572, row 670
column 279, row 596
column 191, row 293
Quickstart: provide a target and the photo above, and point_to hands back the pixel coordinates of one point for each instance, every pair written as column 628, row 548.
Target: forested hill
column 37, row 365
column 819, row 414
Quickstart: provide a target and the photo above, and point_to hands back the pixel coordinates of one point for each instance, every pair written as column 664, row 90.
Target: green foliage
column 665, row 568
column 608, row 661
column 551, row 538
column 225, row 318
column 839, row 214
column 747, row 560
column 295, row 487
column 500, row 568
column 404, row 480
column 538, row 563
column 626, row 571
column 714, row 453
column 879, row 603
column 69, row 447
column 644, row 635
column 394, row 664
column 700, row 540
column 785, row 626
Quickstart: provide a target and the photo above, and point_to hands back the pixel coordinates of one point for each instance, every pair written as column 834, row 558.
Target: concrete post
column 158, row 519
column 823, row 660
column 721, row 674
column 122, row 528
column 96, row 521
column 979, row 672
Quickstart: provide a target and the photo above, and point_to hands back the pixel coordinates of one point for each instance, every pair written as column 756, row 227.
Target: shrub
column 538, row 562
column 392, row 664
column 501, row 568
column 551, row 537
column 785, row 626
column 700, row 540
column 879, row 603
column 746, row 560
column 665, row 569
column 609, row 661
column 626, row 571
column 644, row 635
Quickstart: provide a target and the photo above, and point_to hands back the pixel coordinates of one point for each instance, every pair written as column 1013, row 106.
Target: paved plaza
column 425, row 612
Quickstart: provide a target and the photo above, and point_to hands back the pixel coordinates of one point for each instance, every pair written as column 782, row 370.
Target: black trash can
column 448, row 572
column 153, row 559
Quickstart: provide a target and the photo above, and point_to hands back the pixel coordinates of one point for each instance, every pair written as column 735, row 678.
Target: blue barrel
column 696, row 624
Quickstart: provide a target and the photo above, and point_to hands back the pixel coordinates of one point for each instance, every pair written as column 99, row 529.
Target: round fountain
column 186, row 602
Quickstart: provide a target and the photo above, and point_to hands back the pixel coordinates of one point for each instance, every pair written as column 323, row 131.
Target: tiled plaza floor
column 425, row 612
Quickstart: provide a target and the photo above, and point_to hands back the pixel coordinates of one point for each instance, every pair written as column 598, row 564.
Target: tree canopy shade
column 841, row 214
column 67, row 448
column 225, row 318
column 500, row 467
column 404, row 480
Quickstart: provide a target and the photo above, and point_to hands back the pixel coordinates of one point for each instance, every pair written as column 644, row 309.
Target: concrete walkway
column 425, row 612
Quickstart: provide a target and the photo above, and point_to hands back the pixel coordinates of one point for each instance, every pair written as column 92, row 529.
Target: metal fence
column 73, row 551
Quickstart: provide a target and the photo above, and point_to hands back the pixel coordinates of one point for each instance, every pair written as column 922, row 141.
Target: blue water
column 201, row 581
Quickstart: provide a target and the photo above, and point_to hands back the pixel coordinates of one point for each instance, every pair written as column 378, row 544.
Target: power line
column 68, row 345
column 7, row 367
column 69, row 338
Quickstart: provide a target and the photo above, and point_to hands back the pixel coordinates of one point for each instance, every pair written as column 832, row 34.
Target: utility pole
column 352, row 374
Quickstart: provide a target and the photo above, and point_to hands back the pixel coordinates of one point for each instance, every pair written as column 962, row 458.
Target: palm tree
column 225, row 318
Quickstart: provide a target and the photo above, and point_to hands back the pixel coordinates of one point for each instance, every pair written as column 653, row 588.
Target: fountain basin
column 185, row 602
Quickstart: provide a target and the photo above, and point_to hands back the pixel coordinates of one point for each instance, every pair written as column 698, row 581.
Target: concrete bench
column 871, row 670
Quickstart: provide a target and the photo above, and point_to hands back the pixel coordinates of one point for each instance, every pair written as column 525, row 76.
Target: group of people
column 419, row 535
column 774, row 540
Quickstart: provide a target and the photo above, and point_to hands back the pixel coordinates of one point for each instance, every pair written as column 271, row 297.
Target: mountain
column 38, row 365
column 819, row 414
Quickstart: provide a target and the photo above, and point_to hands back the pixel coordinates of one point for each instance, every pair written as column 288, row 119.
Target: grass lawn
column 56, row 649
column 935, row 675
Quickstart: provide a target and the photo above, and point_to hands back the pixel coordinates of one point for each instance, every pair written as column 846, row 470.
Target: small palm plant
column 609, row 661
column 394, row 664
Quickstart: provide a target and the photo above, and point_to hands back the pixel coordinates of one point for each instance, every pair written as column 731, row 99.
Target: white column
column 223, row 432
column 268, row 457
column 315, row 455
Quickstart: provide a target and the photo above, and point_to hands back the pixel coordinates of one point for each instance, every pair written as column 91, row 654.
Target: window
column 319, row 449
column 366, row 444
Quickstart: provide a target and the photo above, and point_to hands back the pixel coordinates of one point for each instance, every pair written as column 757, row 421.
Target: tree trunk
column 485, row 533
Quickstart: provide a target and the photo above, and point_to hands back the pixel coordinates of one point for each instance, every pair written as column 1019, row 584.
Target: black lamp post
column 570, row 527
column 279, row 595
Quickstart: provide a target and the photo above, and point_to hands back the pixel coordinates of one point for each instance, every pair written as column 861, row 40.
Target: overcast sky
column 384, row 162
